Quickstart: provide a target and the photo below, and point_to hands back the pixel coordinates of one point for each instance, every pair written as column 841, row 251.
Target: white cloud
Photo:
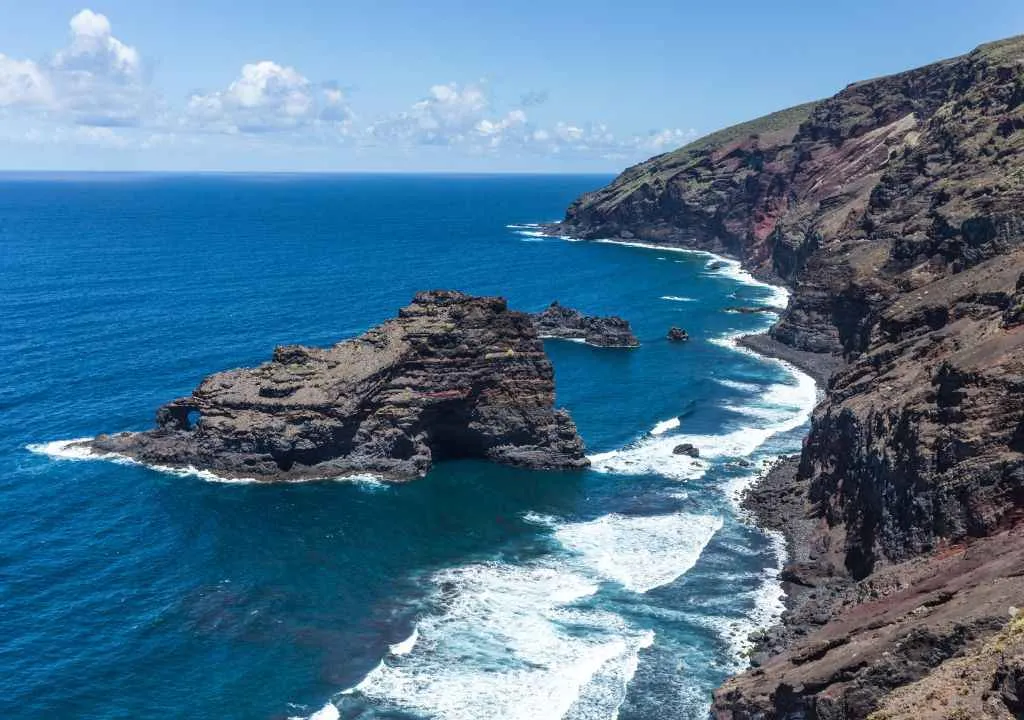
column 449, row 115
column 95, row 81
column 98, row 78
column 98, row 84
column 597, row 139
column 464, row 117
column 267, row 97
column 95, row 51
column 23, row 84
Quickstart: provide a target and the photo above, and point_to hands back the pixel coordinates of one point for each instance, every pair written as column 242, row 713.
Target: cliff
column 895, row 211
column 452, row 376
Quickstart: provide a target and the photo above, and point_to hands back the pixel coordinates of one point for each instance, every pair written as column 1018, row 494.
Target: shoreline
column 776, row 499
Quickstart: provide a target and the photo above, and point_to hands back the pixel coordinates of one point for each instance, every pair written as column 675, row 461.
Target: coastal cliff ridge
column 895, row 212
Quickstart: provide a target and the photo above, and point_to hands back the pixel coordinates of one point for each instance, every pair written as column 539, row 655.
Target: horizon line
column 4, row 173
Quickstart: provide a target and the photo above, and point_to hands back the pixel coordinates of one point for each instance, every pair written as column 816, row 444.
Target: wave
column 639, row 552
column 77, row 450
column 762, row 608
column 516, row 640
column 665, row 425
column 778, row 296
column 677, row 298
column 405, row 647
column 737, row 385
column 328, row 712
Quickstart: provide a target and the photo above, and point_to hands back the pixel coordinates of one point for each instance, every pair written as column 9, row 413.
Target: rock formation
column 895, row 211
column 558, row 321
column 453, row 376
column 676, row 334
column 686, row 449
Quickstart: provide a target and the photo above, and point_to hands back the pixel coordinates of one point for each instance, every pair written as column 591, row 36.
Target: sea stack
column 453, row 376
column 558, row 321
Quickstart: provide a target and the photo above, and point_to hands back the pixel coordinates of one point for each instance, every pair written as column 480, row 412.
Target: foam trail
column 640, row 553
column 327, row 712
column 77, row 450
column 736, row 385
column 513, row 639
column 676, row 298
column 727, row 267
column 767, row 603
column 665, row 425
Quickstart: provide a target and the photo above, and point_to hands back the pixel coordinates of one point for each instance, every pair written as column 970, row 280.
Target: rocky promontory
column 560, row 322
column 453, row 376
column 895, row 212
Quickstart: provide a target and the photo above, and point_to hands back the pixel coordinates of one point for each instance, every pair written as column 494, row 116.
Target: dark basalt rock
column 676, row 334
column 895, row 211
column 686, row 449
column 453, row 376
column 560, row 322
column 753, row 310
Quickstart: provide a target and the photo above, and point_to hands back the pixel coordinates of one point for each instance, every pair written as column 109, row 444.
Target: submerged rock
column 454, row 376
column 558, row 321
column 676, row 334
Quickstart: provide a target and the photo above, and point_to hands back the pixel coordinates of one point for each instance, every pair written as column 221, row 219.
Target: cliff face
column 452, row 376
column 895, row 209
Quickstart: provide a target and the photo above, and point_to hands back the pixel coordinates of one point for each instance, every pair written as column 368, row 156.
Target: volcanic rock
column 558, row 321
column 686, row 449
column 895, row 211
column 453, row 376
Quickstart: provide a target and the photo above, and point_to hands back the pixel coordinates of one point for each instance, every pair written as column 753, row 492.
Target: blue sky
column 404, row 85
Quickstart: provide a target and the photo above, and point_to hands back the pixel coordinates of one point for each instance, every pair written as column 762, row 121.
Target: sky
column 444, row 85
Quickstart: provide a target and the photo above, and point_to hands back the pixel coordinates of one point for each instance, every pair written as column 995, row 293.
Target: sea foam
column 665, row 425
column 77, row 450
column 514, row 639
column 640, row 553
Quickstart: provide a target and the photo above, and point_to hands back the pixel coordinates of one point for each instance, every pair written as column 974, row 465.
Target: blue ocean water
column 478, row 592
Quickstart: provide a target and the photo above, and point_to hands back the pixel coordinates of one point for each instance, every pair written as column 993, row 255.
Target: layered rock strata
column 895, row 211
column 453, row 376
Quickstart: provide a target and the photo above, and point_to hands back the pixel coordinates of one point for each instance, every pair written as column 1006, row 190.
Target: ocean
column 628, row 590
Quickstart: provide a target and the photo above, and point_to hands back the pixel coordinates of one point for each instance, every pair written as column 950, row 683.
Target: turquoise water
column 478, row 592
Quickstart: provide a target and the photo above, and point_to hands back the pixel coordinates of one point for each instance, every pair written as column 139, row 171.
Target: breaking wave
column 518, row 640
column 77, row 450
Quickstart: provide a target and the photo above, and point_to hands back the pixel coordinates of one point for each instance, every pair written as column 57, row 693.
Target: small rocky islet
column 560, row 322
column 453, row 376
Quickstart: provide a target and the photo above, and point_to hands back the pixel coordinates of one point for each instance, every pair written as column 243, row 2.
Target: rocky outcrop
column 677, row 334
column 688, row 449
column 560, row 322
column 895, row 211
column 453, row 376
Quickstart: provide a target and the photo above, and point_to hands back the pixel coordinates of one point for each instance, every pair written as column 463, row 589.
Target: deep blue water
column 128, row 593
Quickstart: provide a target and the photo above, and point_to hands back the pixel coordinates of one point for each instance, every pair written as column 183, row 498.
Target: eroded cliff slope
column 895, row 210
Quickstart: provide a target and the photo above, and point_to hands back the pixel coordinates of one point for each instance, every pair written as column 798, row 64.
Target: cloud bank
column 100, row 83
